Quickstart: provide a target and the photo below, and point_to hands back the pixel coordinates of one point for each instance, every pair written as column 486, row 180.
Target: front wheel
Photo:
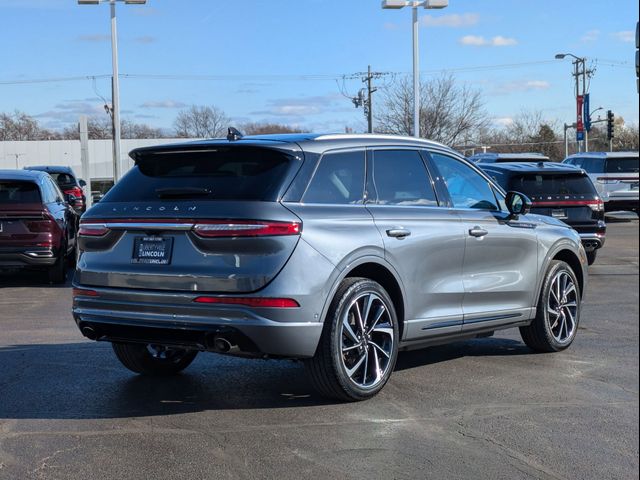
column 149, row 359
column 359, row 343
column 558, row 314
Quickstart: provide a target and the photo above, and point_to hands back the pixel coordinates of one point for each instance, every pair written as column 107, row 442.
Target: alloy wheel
column 367, row 340
column 562, row 307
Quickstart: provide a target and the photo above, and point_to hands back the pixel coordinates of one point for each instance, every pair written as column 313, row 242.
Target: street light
column 115, row 83
column 580, row 70
column 429, row 4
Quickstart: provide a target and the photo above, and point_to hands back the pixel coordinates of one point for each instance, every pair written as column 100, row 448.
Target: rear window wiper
column 172, row 192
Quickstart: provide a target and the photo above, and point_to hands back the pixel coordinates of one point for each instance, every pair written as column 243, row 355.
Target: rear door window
column 224, row 173
column 622, row 165
column 17, row 192
column 401, row 178
column 338, row 180
column 535, row 185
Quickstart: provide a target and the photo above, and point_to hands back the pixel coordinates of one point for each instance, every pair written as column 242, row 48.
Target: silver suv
column 339, row 250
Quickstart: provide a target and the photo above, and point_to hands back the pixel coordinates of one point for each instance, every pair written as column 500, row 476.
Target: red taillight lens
column 244, row 228
column 75, row 191
column 250, row 301
column 93, row 229
column 81, row 292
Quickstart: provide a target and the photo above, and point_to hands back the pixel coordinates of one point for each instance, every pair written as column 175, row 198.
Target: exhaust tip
column 89, row 332
column 222, row 345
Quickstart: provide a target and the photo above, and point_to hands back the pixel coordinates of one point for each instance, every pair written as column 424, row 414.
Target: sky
column 284, row 61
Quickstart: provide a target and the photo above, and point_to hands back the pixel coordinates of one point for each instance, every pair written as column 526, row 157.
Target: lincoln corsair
column 337, row 250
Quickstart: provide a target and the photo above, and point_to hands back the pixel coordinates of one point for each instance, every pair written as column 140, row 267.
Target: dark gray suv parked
column 339, row 250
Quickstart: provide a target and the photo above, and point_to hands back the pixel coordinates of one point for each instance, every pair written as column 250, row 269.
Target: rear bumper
column 173, row 319
column 616, row 204
column 27, row 257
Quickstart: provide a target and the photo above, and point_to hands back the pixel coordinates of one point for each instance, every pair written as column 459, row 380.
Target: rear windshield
column 555, row 184
column 63, row 179
column 623, row 165
column 220, row 174
column 16, row 192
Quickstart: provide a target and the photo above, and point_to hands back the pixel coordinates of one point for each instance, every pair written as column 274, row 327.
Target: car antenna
column 234, row 134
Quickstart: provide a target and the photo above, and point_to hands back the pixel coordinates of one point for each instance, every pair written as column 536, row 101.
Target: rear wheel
column 359, row 343
column 149, row 359
column 58, row 271
column 591, row 257
column 558, row 314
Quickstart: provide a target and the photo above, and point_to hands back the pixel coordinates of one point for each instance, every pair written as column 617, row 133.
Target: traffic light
column 610, row 119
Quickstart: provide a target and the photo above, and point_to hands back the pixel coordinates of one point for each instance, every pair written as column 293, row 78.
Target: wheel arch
column 573, row 261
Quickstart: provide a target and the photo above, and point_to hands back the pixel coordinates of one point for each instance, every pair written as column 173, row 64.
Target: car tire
column 153, row 360
column 58, row 271
column 591, row 257
column 558, row 311
column 356, row 356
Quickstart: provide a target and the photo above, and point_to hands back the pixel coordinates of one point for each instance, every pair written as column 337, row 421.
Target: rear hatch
column 567, row 196
column 193, row 219
column 23, row 220
column 621, row 176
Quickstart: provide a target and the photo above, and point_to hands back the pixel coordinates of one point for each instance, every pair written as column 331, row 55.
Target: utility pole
column 365, row 96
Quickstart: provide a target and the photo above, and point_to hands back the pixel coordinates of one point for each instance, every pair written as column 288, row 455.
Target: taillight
column 597, row 206
column 250, row 301
column 93, row 229
column 244, row 228
column 75, row 192
column 82, row 292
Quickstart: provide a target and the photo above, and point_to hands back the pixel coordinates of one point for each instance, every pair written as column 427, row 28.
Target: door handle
column 398, row 233
column 478, row 232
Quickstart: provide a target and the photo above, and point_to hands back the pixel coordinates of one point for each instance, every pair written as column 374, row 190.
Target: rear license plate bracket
column 152, row 250
column 559, row 213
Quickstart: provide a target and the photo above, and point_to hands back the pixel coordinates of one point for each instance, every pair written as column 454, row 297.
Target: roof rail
column 375, row 136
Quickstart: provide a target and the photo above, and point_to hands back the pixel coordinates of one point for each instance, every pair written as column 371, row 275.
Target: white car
column 615, row 175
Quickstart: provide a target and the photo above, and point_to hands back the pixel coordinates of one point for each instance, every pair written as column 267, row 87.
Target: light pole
column 429, row 4
column 115, row 83
column 580, row 72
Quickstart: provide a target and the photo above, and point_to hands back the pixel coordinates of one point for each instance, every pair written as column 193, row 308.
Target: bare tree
column 20, row 126
column 267, row 128
column 449, row 112
column 201, row 122
column 101, row 128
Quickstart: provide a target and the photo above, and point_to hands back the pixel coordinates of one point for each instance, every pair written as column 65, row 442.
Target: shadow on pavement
column 84, row 380
column 30, row 278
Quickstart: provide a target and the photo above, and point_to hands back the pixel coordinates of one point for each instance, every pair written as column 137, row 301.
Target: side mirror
column 518, row 203
column 82, row 182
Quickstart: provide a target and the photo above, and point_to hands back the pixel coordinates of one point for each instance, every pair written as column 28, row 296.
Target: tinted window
column 63, row 179
column 622, row 165
column 467, row 188
column 339, row 179
column 591, row 165
column 400, row 178
column 16, row 192
column 48, row 193
column 557, row 184
column 218, row 174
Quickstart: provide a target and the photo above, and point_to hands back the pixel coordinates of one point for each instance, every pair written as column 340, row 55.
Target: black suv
column 70, row 185
column 560, row 191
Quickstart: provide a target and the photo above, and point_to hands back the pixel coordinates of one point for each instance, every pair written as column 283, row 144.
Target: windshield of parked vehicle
column 536, row 184
column 217, row 174
column 17, row 192
column 623, row 165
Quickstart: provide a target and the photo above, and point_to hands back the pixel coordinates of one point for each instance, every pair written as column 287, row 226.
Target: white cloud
column 480, row 41
column 590, row 36
column 503, row 121
column 627, row 36
column 522, row 86
column 455, row 20
column 163, row 104
column 94, row 38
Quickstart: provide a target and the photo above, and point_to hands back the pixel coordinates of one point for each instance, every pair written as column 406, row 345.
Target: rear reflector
column 81, row 292
column 93, row 229
column 250, row 301
column 244, row 228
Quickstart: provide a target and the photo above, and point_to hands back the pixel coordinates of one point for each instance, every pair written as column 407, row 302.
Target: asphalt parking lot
column 486, row 408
